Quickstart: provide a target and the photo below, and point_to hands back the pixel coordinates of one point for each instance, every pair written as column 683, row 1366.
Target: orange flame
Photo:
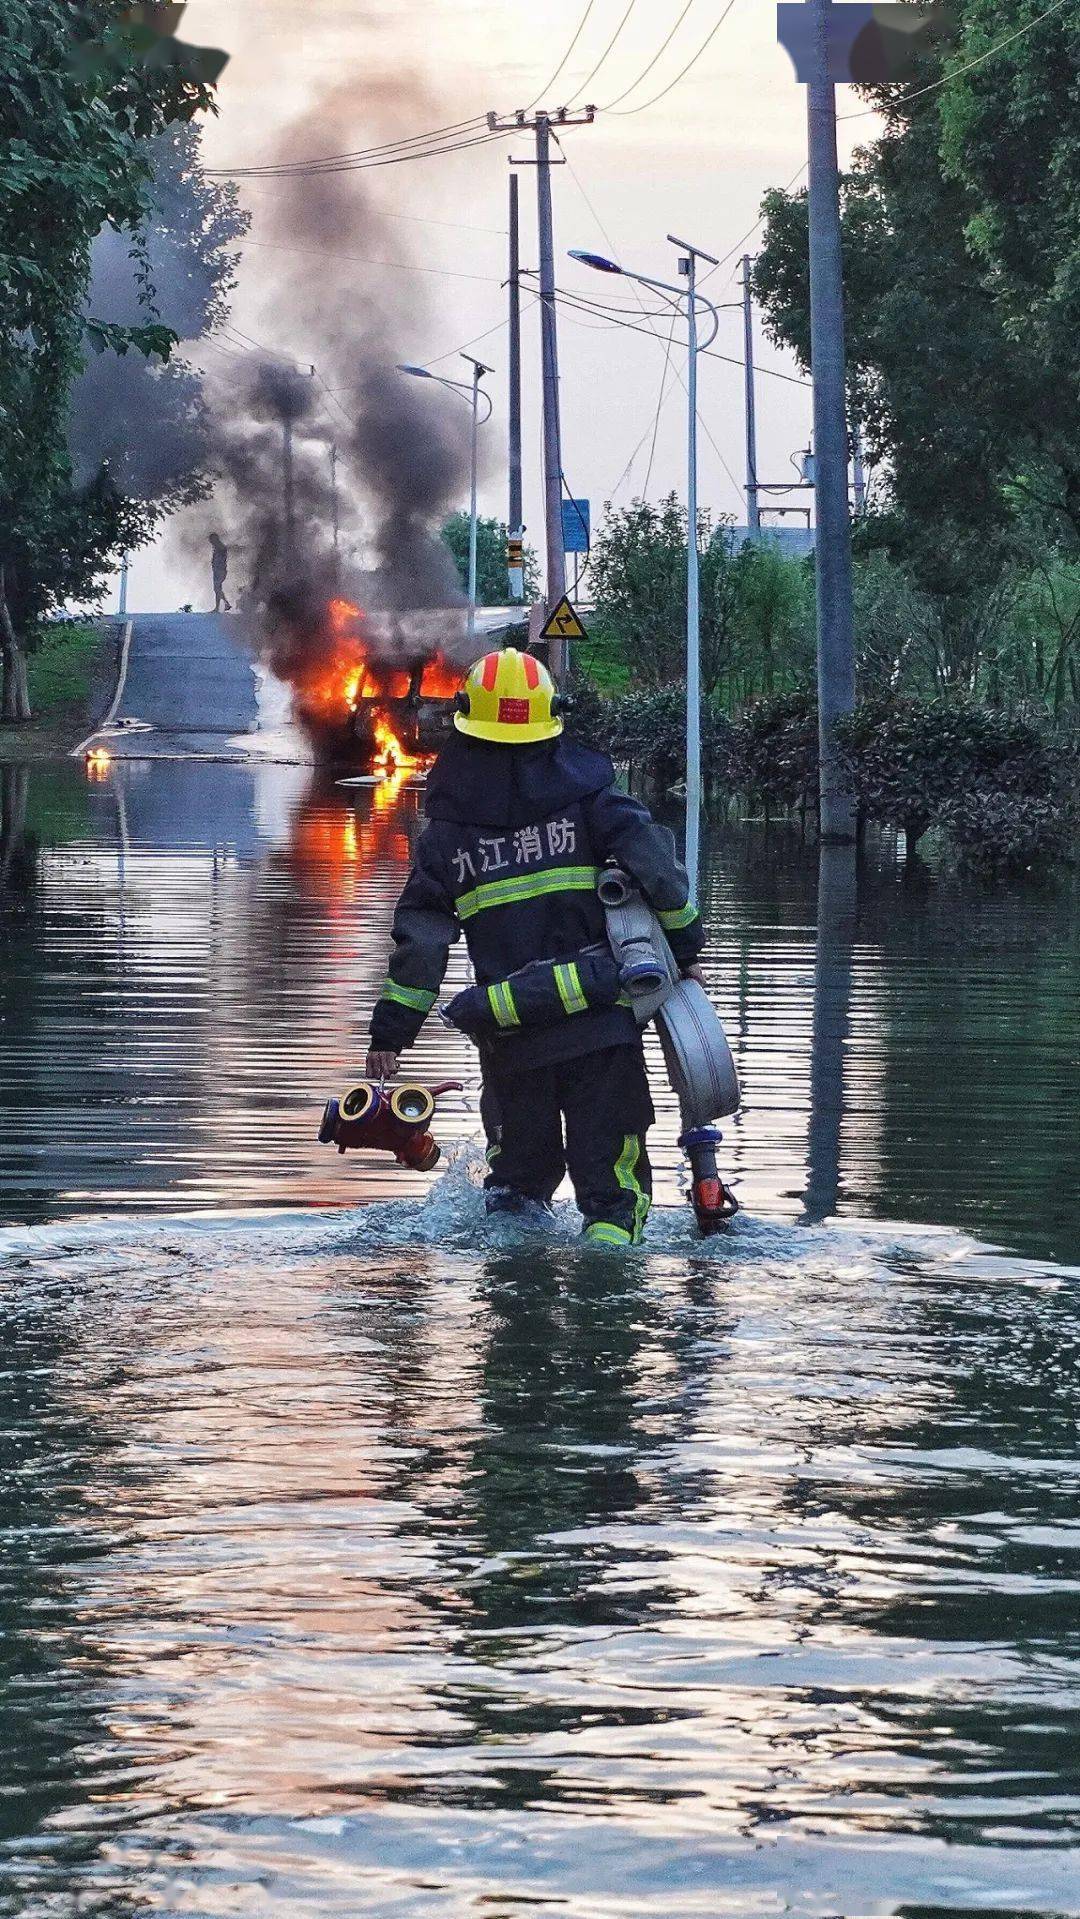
column 98, row 764
column 346, row 673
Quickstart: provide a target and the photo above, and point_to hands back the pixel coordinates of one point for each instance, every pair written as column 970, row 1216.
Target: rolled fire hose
column 696, row 1052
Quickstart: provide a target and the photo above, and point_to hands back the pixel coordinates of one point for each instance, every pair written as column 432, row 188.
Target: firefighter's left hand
column 381, row 1066
column 695, row 973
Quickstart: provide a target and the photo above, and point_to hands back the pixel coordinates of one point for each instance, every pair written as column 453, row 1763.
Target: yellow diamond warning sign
column 563, row 623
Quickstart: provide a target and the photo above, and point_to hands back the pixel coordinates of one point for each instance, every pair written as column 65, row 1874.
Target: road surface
column 194, row 684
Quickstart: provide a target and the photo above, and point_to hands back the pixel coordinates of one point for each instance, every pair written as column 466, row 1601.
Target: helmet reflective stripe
column 509, row 700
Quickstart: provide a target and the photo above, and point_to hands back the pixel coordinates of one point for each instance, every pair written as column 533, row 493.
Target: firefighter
column 520, row 821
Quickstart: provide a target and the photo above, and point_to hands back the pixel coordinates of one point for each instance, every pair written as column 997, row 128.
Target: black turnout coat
column 514, row 844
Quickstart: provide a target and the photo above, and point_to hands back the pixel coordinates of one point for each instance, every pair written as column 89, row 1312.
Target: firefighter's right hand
column 381, row 1066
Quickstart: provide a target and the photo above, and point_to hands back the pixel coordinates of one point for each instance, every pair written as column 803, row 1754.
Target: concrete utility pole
column 289, row 489
column 335, row 497
column 836, row 637
column 479, row 370
column 753, row 508
column 543, row 124
column 516, row 522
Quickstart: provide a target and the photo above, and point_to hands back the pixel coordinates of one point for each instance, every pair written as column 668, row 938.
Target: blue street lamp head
column 418, row 372
column 596, row 260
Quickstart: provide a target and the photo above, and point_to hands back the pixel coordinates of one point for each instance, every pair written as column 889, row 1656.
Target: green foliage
column 911, row 764
column 79, row 101
column 774, row 752
column 639, row 569
column 62, row 666
column 944, row 443
column 647, row 730
column 492, row 584
column 757, row 608
column 1006, row 835
column 1010, row 143
column 774, row 620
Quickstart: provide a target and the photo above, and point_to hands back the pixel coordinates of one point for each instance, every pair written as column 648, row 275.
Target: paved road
column 191, row 678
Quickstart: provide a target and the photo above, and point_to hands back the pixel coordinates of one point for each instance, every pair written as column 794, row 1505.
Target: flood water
column 356, row 1557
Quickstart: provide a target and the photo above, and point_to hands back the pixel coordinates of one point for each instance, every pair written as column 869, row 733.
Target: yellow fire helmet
column 510, row 699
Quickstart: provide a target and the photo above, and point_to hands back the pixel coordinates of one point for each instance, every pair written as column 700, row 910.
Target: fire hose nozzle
column 614, row 887
column 714, row 1203
column 369, row 1118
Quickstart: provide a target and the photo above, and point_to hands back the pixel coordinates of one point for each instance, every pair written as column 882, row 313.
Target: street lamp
column 472, row 390
column 688, row 259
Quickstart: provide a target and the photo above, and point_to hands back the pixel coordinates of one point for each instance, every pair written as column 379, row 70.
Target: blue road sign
column 576, row 526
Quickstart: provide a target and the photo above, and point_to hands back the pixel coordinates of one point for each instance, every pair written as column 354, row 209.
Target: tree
column 492, row 587
column 84, row 85
column 935, row 378
column 1011, row 146
column 639, row 574
column 146, row 420
column 962, row 244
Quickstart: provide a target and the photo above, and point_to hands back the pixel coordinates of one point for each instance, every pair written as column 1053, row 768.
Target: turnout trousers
column 589, row 1116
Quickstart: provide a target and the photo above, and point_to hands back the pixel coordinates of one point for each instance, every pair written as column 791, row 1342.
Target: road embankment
column 72, row 679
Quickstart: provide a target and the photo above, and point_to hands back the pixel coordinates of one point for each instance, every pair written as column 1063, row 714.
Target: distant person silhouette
column 219, row 561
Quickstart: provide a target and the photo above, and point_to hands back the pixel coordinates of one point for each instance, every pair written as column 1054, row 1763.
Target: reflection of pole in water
column 837, row 903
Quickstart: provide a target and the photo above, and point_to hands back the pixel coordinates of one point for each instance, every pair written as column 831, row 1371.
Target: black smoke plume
column 402, row 445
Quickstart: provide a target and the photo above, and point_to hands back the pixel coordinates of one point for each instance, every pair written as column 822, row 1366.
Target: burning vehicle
column 375, row 691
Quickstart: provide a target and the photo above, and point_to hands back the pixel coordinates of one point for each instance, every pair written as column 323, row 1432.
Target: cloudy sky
column 695, row 163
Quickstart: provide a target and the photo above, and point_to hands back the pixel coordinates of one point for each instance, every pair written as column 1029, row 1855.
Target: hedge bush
column 909, row 762
column 1005, row 794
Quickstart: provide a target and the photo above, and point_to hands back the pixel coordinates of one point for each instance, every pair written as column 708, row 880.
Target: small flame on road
column 98, row 763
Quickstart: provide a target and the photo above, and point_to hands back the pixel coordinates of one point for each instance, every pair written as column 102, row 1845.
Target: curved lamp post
column 689, row 257
column 474, row 394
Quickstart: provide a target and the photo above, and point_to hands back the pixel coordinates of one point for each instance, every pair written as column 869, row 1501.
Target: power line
column 660, row 403
column 612, row 43
column 331, row 395
column 253, row 346
column 423, row 220
column 750, row 232
column 561, row 68
column 360, row 259
column 359, row 153
column 679, row 77
column 955, row 72
column 645, row 72
column 306, row 170
column 707, row 353
column 476, row 340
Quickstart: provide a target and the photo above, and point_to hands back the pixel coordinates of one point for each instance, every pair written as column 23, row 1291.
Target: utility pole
column 543, row 124
column 289, row 489
column 516, row 521
column 337, row 512
column 836, row 639
column 753, row 508
column 479, row 370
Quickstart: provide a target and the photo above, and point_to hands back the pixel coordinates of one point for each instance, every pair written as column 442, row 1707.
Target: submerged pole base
column 714, row 1204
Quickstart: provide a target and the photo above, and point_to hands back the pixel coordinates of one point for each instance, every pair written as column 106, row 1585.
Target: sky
column 696, row 163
